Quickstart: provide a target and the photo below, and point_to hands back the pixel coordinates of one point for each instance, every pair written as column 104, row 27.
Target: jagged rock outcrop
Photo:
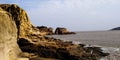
column 9, row 49
column 117, row 28
column 45, row 30
column 60, row 30
column 21, row 19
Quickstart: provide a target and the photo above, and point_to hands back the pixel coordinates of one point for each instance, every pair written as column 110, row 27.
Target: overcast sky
column 76, row 15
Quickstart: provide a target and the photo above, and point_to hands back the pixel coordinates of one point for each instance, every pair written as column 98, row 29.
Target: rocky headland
column 117, row 28
column 62, row 31
column 50, row 31
column 46, row 30
column 19, row 40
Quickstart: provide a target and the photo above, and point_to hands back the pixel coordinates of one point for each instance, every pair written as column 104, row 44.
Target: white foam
column 114, row 53
column 110, row 49
column 103, row 59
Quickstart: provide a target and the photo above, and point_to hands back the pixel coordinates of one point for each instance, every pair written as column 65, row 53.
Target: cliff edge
column 21, row 19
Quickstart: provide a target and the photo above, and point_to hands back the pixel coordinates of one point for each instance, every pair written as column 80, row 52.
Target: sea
column 109, row 41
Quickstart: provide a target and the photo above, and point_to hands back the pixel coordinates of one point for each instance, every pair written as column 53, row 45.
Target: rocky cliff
column 9, row 49
column 31, row 40
column 21, row 19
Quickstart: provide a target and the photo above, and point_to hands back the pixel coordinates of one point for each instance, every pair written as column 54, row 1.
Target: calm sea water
column 102, row 38
column 110, row 40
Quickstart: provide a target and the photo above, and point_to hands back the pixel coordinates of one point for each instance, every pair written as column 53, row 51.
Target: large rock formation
column 56, row 48
column 31, row 40
column 21, row 19
column 45, row 30
column 60, row 30
column 9, row 49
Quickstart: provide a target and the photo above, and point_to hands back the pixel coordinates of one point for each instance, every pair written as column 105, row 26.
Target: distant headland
column 117, row 28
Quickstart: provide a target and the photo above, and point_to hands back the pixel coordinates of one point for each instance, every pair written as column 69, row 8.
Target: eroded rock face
column 21, row 19
column 8, row 37
column 60, row 30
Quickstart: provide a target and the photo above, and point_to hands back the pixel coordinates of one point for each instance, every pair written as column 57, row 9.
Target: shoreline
column 30, row 39
column 114, row 50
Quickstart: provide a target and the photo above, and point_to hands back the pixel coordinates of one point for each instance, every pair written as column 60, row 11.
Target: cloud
column 74, row 14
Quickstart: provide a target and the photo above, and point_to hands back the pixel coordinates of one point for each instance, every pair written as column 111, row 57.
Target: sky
column 76, row 15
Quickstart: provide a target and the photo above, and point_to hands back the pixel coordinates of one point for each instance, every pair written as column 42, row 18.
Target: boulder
column 60, row 30
column 9, row 49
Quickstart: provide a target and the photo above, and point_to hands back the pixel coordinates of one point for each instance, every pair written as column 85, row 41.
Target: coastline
column 102, row 38
column 112, row 48
column 34, row 44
